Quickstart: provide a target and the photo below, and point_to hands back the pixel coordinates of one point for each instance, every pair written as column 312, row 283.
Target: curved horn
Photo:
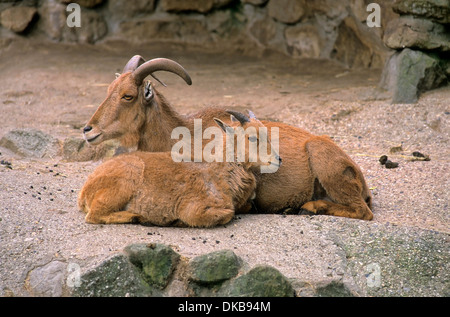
column 242, row 118
column 158, row 64
column 133, row 63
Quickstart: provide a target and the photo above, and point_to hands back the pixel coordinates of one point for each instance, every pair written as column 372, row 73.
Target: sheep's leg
column 339, row 180
column 206, row 216
column 106, row 207
column 329, row 208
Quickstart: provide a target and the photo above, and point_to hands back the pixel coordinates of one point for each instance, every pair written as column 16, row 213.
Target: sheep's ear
column 225, row 127
column 251, row 115
column 117, row 75
column 233, row 118
column 148, row 91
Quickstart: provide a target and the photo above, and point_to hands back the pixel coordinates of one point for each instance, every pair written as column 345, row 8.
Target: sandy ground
column 56, row 88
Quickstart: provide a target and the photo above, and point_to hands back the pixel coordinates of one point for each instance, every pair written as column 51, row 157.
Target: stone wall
column 327, row 29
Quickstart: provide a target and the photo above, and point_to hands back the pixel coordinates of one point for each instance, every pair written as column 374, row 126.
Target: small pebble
column 390, row 164
column 383, row 159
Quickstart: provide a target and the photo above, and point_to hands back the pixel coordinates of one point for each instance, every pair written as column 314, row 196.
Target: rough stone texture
column 156, row 261
column 254, row 2
column 202, row 6
column 214, row 267
column 113, row 277
column 436, row 10
column 416, row 33
column 129, row 9
column 286, row 11
column 47, row 280
column 53, row 23
column 409, row 73
column 30, row 143
column 182, row 29
column 76, row 149
column 357, row 46
column 261, row 281
column 85, row 3
column 17, row 19
column 93, row 27
column 304, row 40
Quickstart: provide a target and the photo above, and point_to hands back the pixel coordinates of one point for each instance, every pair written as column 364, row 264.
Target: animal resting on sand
column 150, row 188
column 316, row 174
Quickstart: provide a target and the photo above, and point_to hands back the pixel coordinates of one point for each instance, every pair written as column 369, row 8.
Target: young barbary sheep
column 316, row 174
column 150, row 188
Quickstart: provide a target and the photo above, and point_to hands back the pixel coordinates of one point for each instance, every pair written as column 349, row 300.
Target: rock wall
column 337, row 30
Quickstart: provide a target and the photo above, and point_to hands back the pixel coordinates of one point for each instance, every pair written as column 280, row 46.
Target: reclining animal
column 316, row 174
column 150, row 188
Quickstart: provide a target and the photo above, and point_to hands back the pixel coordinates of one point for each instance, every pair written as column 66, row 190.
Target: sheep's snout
column 90, row 135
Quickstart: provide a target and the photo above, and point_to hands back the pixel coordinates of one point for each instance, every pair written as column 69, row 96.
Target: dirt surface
column 56, row 88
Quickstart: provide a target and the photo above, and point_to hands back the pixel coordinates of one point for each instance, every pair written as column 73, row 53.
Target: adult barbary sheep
column 316, row 174
column 150, row 188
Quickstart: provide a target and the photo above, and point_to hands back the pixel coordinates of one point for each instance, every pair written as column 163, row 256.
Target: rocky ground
column 55, row 89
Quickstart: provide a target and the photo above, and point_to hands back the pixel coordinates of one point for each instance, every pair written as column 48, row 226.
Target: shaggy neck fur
column 241, row 183
column 160, row 120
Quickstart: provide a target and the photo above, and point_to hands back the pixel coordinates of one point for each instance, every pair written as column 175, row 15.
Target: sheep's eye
column 252, row 138
column 127, row 97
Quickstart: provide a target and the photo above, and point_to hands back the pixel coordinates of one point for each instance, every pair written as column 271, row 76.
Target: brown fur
column 316, row 174
column 150, row 188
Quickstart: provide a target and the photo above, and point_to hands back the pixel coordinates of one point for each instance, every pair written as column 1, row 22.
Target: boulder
column 17, row 19
column 214, row 267
column 84, row 3
column 260, row 281
column 53, row 23
column 129, row 9
column 201, row 6
column 30, row 143
column 357, row 46
column 436, row 10
column 409, row 73
column 286, row 11
column 47, row 280
column 114, row 277
column 93, row 27
column 167, row 28
column 417, row 33
column 303, row 40
column 254, row 2
column 156, row 262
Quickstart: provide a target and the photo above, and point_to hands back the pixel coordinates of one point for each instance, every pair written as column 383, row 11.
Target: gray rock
column 47, row 280
column 261, row 281
column 17, row 19
column 333, row 289
column 114, row 277
column 202, row 6
column 93, row 27
column 436, row 10
column 286, row 11
column 130, row 9
column 416, row 33
column 30, row 143
column 254, row 2
column 409, row 73
column 214, row 267
column 84, row 3
column 304, row 40
column 156, row 261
